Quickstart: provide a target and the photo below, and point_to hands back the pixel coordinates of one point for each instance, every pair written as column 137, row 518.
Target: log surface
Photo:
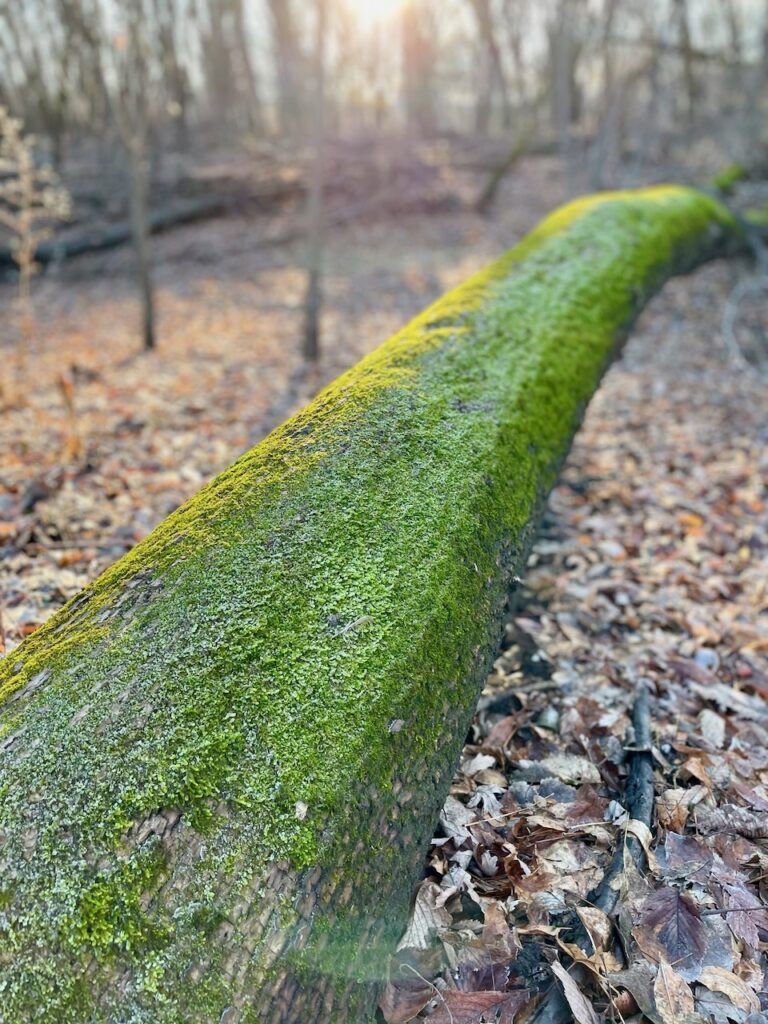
column 221, row 763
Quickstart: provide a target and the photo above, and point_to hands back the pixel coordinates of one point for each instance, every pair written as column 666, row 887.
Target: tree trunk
column 418, row 68
column 686, row 49
column 221, row 763
column 492, row 70
column 314, row 258
column 288, row 60
column 140, row 235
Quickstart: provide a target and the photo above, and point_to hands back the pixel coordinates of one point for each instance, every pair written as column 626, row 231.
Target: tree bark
column 221, row 763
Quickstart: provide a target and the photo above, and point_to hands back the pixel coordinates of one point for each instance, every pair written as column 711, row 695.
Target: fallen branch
column 114, row 235
column 639, row 800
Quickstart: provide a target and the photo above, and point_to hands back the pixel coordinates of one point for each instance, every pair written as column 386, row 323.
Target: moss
column 110, row 919
column 729, row 176
column 251, row 653
column 757, row 216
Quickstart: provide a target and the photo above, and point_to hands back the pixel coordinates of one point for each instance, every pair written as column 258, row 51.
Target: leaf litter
column 650, row 573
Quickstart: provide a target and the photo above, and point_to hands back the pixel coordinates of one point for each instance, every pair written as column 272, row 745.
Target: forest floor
column 650, row 573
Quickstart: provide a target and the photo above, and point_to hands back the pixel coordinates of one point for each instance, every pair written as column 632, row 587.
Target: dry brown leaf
column 674, row 806
column 497, row 935
column 643, row 834
column 404, row 998
column 598, row 926
column 673, row 996
column 673, row 920
column 454, row 818
column 474, row 1007
column 712, row 728
column 716, row 979
column 571, row 768
column 582, row 1010
column 428, row 919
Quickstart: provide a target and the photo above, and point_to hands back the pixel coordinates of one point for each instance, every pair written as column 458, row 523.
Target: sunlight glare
column 374, row 12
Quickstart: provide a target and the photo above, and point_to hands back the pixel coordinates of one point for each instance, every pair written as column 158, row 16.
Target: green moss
column 249, row 656
column 729, row 176
column 110, row 918
column 757, row 216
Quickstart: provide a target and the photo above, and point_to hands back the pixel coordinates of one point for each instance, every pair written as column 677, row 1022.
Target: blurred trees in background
column 139, row 86
column 465, row 66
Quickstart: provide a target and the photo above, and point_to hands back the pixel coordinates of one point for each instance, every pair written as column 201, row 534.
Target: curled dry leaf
column 598, row 926
column 674, row 806
column 716, row 979
column 404, row 998
column 712, row 728
column 643, row 834
column 497, row 935
column 454, row 818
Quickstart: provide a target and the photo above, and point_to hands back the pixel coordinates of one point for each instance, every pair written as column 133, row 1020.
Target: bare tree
column 493, row 79
column 314, row 259
column 168, row 20
column 288, row 62
column 122, row 68
column 418, row 59
column 686, row 52
column 130, row 108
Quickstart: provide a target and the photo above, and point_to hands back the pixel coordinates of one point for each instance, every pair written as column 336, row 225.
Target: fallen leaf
column 712, row 728
column 497, row 935
column 581, row 1009
column 674, row 921
column 571, row 768
column 473, row 1007
column 740, row 994
column 598, row 926
column 428, row 919
column 404, row 998
column 673, row 996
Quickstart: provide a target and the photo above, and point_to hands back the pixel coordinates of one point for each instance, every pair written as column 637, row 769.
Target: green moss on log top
column 220, row 763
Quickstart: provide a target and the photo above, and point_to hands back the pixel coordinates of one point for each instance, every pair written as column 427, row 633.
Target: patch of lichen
column 253, row 651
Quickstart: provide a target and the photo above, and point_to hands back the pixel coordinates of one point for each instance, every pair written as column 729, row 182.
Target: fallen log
column 109, row 237
column 221, row 763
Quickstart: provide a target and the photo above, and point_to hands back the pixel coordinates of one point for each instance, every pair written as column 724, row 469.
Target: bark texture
column 221, row 763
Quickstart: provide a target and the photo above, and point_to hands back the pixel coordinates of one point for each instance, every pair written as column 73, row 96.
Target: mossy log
column 221, row 763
